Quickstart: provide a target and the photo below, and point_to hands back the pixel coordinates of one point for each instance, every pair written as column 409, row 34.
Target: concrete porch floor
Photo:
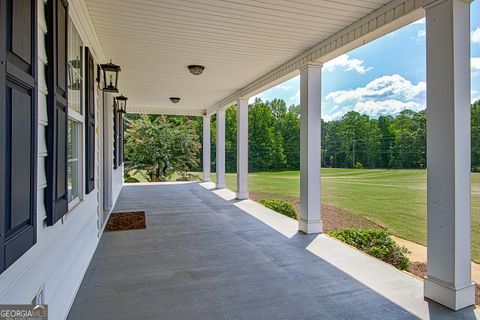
column 205, row 255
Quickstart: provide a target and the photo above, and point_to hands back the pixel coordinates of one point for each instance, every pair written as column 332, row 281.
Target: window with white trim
column 75, row 117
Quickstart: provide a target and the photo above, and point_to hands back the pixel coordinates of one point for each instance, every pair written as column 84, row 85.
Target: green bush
column 358, row 165
column 188, row 177
column 280, row 206
column 376, row 243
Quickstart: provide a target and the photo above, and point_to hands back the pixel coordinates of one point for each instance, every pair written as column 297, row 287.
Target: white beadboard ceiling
column 237, row 41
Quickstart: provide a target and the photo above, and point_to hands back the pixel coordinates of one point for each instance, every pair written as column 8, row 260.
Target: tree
column 475, row 135
column 160, row 147
column 265, row 141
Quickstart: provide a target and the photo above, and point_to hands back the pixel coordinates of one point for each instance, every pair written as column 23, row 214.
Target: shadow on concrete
column 203, row 257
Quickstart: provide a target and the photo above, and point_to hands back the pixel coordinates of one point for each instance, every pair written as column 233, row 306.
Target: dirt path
column 419, row 254
column 333, row 217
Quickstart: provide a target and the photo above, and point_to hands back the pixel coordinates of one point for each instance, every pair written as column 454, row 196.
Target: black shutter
column 89, row 122
column 56, row 197
column 120, row 135
column 115, row 139
column 18, row 128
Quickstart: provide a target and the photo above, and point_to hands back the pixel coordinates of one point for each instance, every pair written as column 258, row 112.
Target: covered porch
column 206, row 255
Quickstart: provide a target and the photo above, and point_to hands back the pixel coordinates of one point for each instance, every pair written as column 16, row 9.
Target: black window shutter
column 56, row 197
column 89, row 122
column 18, row 128
column 120, row 134
column 115, row 139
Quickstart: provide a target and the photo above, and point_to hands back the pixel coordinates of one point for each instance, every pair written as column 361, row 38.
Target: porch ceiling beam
column 388, row 18
column 166, row 111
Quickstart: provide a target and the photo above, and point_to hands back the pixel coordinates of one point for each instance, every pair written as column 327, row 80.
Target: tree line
column 354, row 141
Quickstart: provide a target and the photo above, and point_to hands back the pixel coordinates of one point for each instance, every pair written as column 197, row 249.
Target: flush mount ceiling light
column 174, row 99
column 196, row 69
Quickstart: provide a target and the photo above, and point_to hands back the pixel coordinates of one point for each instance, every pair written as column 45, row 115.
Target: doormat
column 122, row 221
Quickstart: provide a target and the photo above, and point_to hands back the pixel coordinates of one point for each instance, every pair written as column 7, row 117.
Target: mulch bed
column 333, row 218
column 420, row 270
column 122, row 221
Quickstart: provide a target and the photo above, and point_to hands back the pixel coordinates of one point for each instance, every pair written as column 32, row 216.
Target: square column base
column 206, row 179
column 310, row 227
column 242, row 195
column 447, row 295
column 220, row 186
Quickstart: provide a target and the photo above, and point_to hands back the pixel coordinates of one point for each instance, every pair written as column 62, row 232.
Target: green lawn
column 395, row 199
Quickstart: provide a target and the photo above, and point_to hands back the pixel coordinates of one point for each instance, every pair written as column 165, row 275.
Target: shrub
column 280, row 206
column 188, row 177
column 358, row 165
column 376, row 243
column 133, row 175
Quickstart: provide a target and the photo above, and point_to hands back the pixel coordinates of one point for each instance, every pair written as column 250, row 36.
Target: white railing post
column 220, row 161
column 206, row 148
column 448, row 278
column 310, row 146
column 242, row 148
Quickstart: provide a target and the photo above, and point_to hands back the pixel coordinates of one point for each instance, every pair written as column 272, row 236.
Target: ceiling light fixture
column 174, row 99
column 196, row 69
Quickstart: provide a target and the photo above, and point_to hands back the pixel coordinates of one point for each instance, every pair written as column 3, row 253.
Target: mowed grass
column 394, row 199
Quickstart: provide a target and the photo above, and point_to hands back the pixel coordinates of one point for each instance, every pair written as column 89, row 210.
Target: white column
column 242, row 149
column 220, row 161
column 206, row 148
column 448, row 280
column 310, row 133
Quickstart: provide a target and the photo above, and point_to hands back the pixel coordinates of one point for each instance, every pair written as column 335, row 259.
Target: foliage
column 376, row 243
column 475, row 129
column 274, row 138
column 133, row 175
column 161, row 146
column 186, row 176
column 280, row 206
column 358, row 165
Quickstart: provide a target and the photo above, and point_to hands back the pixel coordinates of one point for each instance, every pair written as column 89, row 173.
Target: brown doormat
column 121, row 221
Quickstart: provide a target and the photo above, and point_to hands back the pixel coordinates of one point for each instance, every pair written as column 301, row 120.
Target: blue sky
column 382, row 77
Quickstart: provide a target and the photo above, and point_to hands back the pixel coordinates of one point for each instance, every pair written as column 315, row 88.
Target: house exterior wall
column 54, row 267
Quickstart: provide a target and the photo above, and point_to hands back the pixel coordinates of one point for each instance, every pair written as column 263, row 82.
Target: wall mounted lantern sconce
column 110, row 76
column 121, row 104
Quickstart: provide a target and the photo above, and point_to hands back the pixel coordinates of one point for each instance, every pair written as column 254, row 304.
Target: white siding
column 60, row 257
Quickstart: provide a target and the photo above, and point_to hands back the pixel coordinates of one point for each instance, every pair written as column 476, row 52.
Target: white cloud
column 421, row 33
column 385, row 87
column 421, row 21
column 475, row 65
column 347, row 64
column 375, row 109
column 476, row 35
column 386, row 107
column 284, row 87
column 475, row 95
column 295, row 98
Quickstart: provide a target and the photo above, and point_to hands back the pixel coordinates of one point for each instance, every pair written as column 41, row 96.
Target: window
column 73, row 163
column 75, row 117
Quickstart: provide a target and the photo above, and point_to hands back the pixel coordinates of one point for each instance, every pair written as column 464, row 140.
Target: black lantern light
column 122, row 104
column 110, row 76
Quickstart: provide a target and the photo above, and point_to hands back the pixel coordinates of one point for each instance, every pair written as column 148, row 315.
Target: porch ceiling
column 237, row 41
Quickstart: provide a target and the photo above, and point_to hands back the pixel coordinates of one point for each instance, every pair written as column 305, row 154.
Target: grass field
column 394, row 199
